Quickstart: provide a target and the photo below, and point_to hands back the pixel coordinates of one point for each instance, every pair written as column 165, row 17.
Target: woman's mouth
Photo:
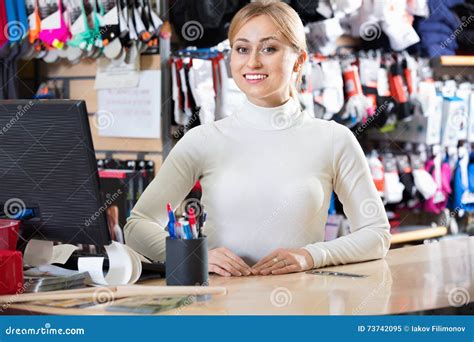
column 255, row 78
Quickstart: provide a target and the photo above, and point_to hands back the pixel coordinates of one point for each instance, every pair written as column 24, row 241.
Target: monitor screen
column 48, row 168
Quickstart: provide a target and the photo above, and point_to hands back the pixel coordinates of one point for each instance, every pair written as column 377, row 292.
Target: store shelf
column 411, row 234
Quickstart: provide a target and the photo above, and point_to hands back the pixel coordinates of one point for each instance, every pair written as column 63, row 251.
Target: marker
column 192, row 222
column 171, row 221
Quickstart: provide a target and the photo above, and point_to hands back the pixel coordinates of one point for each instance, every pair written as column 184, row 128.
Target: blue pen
column 171, row 221
column 187, row 230
column 185, row 227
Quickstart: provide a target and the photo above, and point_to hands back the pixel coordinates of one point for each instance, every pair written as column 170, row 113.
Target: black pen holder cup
column 186, row 262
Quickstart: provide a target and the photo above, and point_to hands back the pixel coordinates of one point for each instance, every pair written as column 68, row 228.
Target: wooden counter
column 423, row 277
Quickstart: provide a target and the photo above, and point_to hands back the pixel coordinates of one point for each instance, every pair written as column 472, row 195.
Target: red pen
column 192, row 222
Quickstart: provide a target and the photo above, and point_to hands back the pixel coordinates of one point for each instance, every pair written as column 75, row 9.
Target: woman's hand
column 284, row 261
column 225, row 263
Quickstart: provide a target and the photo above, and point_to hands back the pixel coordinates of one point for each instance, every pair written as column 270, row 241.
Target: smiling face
column 263, row 63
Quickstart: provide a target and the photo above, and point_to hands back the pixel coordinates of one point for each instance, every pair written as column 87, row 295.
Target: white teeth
column 255, row 77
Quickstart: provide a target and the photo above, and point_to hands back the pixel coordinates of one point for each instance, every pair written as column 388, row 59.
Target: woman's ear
column 303, row 55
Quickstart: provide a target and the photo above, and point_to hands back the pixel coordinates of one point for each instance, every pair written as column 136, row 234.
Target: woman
column 267, row 171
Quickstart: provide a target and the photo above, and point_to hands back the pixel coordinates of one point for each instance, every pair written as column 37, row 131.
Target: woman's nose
column 254, row 60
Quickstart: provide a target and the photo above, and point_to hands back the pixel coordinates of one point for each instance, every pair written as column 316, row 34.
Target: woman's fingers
column 230, row 265
column 287, row 269
column 274, row 266
column 259, row 265
column 237, row 259
column 228, row 261
column 216, row 269
column 275, row 261
column 220, row 258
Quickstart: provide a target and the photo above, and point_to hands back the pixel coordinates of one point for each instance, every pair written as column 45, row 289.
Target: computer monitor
column 48, row 167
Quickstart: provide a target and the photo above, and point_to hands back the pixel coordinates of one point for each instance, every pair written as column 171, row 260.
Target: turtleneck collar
column 269, row 118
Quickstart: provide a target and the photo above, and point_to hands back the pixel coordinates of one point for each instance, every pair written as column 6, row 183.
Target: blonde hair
column 290, row 26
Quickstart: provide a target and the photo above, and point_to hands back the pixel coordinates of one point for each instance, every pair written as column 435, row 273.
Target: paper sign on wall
column 131, row 112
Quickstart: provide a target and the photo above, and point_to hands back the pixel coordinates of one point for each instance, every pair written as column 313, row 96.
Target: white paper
column 38, row 252
column 136, row 265
column 124, row 266
column 61, row 253
column 93, row 265
column 117, row 74
column 131, row 112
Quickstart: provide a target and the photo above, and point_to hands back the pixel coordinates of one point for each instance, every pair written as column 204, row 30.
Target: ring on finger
column 275, row 260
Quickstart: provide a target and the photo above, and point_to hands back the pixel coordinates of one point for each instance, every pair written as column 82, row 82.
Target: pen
column 179, row 230
column 192, row 222
column 337, row 274
column 171, row 221
column 202, row 220
column 187, row 230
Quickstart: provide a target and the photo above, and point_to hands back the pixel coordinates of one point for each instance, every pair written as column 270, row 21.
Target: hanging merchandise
column 441, row 173
column 409, row 196
column 54, row 31
column 201, row 88
column 462, row 199
column 424, row 182
column 327, row 85
column 323, row 35
column 437, row 29
column 37, row 49
column 377, row 171
column 14, row 46
column 118, row 29
column 358, row 106
column 393, row 188
column 397, row 24
column 110, row 28
column 398, row 90
column 82, row 39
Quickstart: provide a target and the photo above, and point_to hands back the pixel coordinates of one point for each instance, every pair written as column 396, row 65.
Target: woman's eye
column 269, row 49
column 241, row 50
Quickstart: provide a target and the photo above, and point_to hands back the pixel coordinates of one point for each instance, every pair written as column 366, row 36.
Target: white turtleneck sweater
column 267, row 175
